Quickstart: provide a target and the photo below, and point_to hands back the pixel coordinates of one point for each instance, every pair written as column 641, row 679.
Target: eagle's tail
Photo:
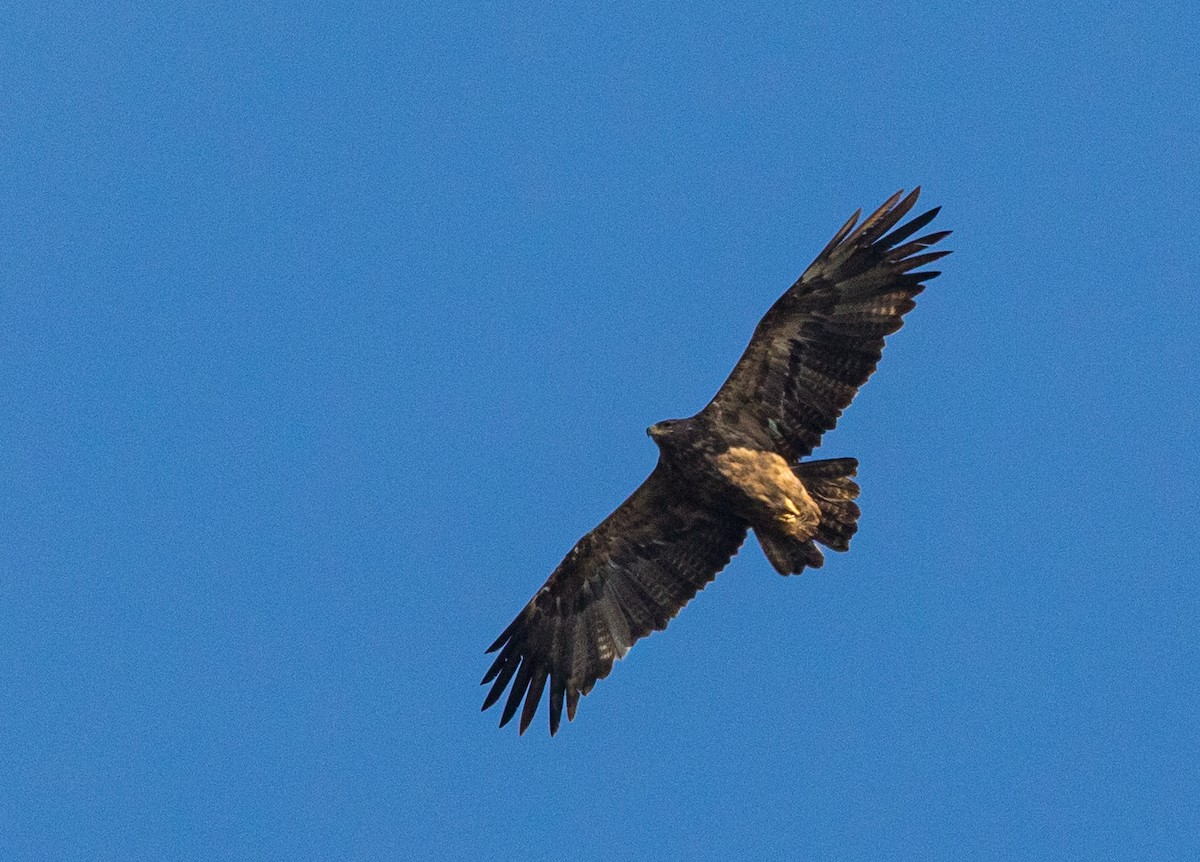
column 830, row 485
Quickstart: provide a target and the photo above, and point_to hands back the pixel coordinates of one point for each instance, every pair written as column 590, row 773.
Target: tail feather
column 830, row 485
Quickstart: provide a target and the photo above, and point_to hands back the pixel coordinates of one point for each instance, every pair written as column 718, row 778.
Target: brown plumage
column 734, row 466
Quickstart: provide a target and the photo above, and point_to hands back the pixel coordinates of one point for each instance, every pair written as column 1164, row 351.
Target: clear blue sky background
column 326, row 329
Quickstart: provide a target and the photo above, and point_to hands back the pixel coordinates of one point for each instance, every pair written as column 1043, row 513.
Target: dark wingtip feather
column 572, row 702
column 888, row 220
column 930, row 239
column 558, row 688
column 492, row 696
column 502, row 660
column 504, row 675
column 908, row 203
column 519, row 686
column 883, row 209
column 533, row 698
column 493, row 670
column 888, row 204
column 878, row 222
column 910, row 263
column 504, row 635
column 841, row 233
column 906, row 230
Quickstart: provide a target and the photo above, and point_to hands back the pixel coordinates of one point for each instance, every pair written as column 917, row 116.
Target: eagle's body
column 726, row 471
column 729, row 472
column 734, row 466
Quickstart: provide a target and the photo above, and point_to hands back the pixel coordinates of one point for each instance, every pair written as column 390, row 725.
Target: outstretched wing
column 823, row 338
column 623, row 580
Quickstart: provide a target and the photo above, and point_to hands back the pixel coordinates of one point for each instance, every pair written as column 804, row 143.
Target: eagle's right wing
column 623, row 580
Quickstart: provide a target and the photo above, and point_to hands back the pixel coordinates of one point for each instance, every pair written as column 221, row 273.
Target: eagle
column 735, row 466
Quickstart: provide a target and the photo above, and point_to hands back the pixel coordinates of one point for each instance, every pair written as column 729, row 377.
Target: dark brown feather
column 824, row 337
column 625, row 579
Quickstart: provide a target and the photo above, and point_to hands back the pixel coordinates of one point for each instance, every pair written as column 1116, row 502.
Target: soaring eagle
column 734, row 466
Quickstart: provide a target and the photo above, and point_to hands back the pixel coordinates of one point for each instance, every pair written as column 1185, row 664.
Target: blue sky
column 325, row 330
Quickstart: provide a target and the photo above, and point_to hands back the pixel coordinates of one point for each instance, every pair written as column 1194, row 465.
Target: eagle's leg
column 786, row 553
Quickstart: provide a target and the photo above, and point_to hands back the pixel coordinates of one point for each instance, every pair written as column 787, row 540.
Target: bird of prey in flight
column 735, row 466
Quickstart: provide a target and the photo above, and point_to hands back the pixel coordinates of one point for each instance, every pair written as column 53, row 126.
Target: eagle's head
column 668, row 431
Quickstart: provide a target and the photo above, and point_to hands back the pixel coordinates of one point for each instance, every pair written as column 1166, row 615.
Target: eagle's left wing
column 823, row 338
column 626, row 578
